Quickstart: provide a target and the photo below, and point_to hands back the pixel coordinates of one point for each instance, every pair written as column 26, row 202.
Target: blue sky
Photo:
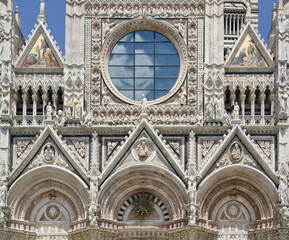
column 55, row 17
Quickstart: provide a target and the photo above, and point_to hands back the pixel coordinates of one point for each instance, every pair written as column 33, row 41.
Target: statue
column 93, row 214
column 3, row 193
column 4, row 106
column 236, row 152
column 143, row 150
column 283, row 103
column 192, row 186
column 105, row 99
column 49, row 111
column 87, row 119
column 219, row 108
column 182, row 98
column 77, row 109
column 284, row 211
column 209, row 109
column 48, row 153
column 144, row 103
column 282, row 191
column 42, row 8
column 60, row 119
column 236, row 111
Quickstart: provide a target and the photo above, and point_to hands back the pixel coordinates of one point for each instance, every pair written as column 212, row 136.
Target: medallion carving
column 233, row 210
column 52, row 212
column 236, row 152
column 143, row 150
column 143, row 205
column 48, row 153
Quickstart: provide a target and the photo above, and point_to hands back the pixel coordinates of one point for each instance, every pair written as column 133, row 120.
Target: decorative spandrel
column 248, row 55
column 40, row 55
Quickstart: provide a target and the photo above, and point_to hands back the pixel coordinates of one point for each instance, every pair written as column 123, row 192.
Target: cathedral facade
column 166, row 120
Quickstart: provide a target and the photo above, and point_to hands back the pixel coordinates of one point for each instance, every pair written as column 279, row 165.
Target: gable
column 144, row 151
column 249, row 152
column 48, row 149
column 143, row 147
column 40, row 54
column 249, row 54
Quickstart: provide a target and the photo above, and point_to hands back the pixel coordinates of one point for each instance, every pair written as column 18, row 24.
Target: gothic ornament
column 233, row 210
column 48, row 153
column 236, row 152
column 52, row 212
column 143, row 150
column 143, row 204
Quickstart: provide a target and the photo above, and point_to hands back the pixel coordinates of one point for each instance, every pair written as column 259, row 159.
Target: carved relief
column 236, row 152
column 52, row 212
column 22, row 146
column 206, row 146
column 48, row 153
column 143, row 150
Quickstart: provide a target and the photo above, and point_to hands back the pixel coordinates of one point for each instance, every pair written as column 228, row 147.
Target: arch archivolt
column 158, row 182
column 48, row 191
column 237, row 188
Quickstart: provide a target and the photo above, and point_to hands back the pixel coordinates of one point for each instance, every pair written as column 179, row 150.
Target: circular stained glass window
column 144, row 62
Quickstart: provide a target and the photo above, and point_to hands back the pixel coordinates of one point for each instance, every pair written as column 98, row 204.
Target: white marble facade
column 166, row 120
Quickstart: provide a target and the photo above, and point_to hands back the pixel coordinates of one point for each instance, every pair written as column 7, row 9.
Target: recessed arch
column 252, row 191
column 51, row 182
column 131, row 180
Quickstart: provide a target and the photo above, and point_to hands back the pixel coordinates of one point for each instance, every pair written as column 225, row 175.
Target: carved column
column 262, row 99
column 226, row 24
column 232, row 97
column 34, row 98
column 252, row 100
column 238, row 24
column 24, row 107
column 272, row 99
column 14, row 105
column 44, row 99
column 192, row 141
column 234, row 24
column 230, row 24
column 242, row 98
column 55, row 98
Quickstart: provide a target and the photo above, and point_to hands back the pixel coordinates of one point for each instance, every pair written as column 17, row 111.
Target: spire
column 41, row 16
column 9, row 5
column 17, row 15
column 274, row 12
column 280, row 4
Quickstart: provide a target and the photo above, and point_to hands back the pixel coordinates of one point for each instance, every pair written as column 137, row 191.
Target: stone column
column 252, row 100
column 44, row 98
column 262, row 99
column 55, row 98
column 232, row 97
column 238, row 24
column 14, row 105
column 234, row 24
column 226, row 30
column 230, row 24
column 272, row 99
column 34, row 98
column 242, row 98
column 24, row 107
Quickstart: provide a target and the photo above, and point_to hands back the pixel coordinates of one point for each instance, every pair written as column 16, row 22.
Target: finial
column 17, row 15
column 41, row 17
